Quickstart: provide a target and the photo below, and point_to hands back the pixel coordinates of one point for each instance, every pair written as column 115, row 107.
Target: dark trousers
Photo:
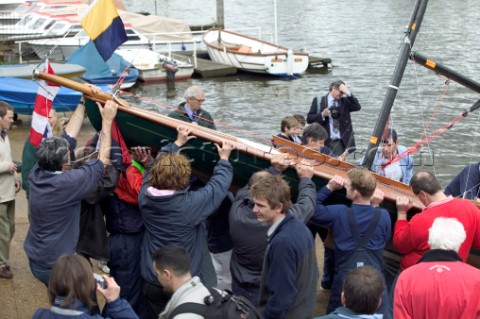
column 156, row 299
column 124, row 266
column 251, row 292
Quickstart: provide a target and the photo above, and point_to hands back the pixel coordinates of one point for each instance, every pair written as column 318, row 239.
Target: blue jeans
column 252, row 293
column 40, row 273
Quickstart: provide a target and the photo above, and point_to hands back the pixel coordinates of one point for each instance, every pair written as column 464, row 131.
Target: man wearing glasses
column 190, row 111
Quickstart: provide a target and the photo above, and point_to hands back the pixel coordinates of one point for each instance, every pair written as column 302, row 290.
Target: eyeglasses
column 198, row 100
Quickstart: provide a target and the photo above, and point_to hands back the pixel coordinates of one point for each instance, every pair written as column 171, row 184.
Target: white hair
column 192, row 91
column 446, row 234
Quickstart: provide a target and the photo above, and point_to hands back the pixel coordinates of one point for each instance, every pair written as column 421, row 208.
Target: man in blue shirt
column 360, row 232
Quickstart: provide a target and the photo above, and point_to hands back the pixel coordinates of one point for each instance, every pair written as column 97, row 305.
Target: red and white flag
column 43, row 105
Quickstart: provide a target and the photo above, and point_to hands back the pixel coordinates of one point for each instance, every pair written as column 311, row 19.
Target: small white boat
column 152, row 66
column 253, row 55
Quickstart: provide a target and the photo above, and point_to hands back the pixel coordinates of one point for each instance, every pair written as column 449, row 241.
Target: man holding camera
column 332, row 111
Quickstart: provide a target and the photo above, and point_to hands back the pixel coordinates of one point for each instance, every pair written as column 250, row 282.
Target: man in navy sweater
column 290, row 272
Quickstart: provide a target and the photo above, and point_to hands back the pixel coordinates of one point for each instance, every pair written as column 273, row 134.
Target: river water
column 363, row 38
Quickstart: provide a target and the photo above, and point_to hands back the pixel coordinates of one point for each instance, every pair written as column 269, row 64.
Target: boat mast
column 445, row 71
column 413, row 27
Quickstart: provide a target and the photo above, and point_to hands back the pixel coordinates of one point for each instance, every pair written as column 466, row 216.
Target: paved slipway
column 22, row 295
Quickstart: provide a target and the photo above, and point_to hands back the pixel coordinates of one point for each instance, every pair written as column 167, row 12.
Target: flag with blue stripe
column 104, row 26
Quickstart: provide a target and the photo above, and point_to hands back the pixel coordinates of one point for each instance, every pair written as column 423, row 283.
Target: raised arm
column 108, row 113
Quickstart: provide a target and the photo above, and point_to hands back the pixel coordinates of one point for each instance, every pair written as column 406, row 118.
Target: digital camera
column 100, row 280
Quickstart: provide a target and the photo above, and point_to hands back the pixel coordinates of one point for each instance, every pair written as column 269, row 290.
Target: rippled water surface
column 363, row 38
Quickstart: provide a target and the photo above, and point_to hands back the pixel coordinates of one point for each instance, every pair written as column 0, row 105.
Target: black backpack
column 218, row 306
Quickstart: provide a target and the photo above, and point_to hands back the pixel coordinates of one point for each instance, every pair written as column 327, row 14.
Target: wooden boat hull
column 141, row 127
column 253, row 55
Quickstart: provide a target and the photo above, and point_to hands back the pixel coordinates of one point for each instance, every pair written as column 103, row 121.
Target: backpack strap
column 196, row 308
column 361, row 242
column 189, row 307
column 319, row 100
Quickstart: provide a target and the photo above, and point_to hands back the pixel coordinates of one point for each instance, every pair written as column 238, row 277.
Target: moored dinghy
column 152, row 66
column 253, row 55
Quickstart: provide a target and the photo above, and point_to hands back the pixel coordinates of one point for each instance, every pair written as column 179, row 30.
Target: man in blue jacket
column 290, row 273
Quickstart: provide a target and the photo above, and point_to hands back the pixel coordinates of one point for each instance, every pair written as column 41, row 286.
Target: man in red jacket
column 410, row 238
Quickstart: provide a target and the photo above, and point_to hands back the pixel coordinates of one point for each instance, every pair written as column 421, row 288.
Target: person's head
column 271, row 195
column 72, row 279
column 170, row 171
column 53, row 154
column 289, row 126
column 314, row 136
column 256, row 177
column 446, row 234
column 6, row 116
column 171, row 264
column 360, row 182
column 425, row 185
column 301, row 121
column 362, row 290
column 390, row 143
column 52, row 117
column 194, row 97
column 335, row 89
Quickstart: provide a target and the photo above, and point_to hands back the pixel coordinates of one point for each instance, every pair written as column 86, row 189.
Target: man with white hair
column 191, row 110
column 440, row 285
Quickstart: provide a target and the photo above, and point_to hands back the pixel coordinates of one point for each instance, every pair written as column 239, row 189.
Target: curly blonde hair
column 171, row 171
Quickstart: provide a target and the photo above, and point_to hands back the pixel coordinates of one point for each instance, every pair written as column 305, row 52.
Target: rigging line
column 425, row 141
column 226, row 126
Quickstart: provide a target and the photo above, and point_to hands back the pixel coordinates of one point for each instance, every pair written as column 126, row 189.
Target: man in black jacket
column 332, row 111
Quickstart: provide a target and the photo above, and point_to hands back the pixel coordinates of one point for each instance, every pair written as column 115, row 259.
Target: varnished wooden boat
column 141, row 127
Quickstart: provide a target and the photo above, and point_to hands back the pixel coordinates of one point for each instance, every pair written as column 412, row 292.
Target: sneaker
column 103, row 267
column 5, row 273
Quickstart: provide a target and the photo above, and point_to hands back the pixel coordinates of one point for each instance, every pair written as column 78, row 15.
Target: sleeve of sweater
column 119, row 308
column 323, row 215
column 304, row 207
column 402, row 240
column 209, row 197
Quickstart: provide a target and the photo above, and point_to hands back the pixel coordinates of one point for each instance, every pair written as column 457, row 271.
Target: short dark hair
column 173, row 257
column 4, row 108
column 336, row 84
column 363, row 289
column 390, row 134
column 72, row 279
column 274, row 189
column 426, row 182
column 314, row 132
column 53, row 153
